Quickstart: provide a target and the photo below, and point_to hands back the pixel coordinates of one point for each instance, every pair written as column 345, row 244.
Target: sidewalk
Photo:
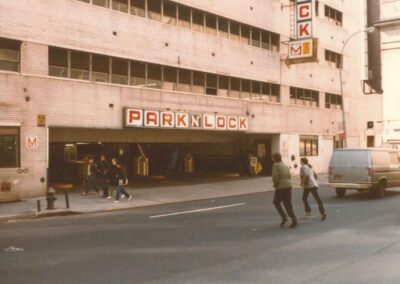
column 164, row 194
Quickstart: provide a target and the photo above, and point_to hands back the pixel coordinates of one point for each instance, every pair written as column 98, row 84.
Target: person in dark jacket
column 283, row 190
column 122, row 181
column 90, row 172
column 104, row 170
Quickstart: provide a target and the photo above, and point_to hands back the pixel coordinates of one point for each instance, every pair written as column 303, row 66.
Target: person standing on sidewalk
column 90, row 176
column 309, row 184
column 122, row 181
column 281, row 179
column 104, row 174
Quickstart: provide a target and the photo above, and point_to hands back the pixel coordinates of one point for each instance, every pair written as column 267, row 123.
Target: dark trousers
column 90, row 182
column 314, row 192
column 284, row 195
column 105, row 190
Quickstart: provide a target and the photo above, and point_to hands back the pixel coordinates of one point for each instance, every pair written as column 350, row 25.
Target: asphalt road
column 238, row 242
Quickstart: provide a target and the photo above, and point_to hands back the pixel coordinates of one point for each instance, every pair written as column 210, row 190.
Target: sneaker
column 130, row 197
column 123, row 196
column 323, row 217
column 109, row 197
column 116, row 201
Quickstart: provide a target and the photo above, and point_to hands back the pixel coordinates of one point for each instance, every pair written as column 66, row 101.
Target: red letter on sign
column 167, row 119
column 181, row 120
column 135, row 117
column 232, row 123
column 152, row 118
column 304, row 30
column 32, row 143
column 243, row 123
column 304, row 11
column 221, row 122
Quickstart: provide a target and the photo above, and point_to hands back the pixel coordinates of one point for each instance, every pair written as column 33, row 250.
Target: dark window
column 211, row 84
column 9, row 54
column 255, row 37
column 185, row 80
column 198, row 82
column 211, row 24
column 154, row 10
column 138, row 73
column 170, row 78
column 79, row 65
column 223, row 86
column 9, row 147
column 102, row 3
column 198, row 20
column 86, row 1
column 184, row 16
column 223, row 27
column 235, row 88
column 234, row 30
column 308, row 146
column 245, row 34
column 119, row 74
column 154, row 76
column 334, row 58
column 333, row 101
column 305, row 97
column 120, row 5
column 138, row 8
column 266, row 40
column 246, row 89
column 334, row 15
column 100, row 68
column 256, row 90
column 58, row 62
column 169, row 13
column 275, row 38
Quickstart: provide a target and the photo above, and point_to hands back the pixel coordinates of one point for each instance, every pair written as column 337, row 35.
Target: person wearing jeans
column 310, row 184
column 283, row 190
column 121, row 178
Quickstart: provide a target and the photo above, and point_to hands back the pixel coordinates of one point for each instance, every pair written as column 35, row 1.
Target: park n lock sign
column 303, row 48
column 184, row 120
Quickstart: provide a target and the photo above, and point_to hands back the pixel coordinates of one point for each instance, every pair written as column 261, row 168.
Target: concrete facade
column 72, row 103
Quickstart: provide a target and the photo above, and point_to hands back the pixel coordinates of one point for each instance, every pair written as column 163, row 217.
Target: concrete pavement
column 163, row 193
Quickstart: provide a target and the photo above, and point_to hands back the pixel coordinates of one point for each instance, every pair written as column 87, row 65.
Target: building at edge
column 168, row 79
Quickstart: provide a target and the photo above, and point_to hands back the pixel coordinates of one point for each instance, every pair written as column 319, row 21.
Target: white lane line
column 196, row 211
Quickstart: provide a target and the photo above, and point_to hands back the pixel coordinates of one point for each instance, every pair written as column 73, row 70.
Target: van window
column 380, row 158
column 350, row 159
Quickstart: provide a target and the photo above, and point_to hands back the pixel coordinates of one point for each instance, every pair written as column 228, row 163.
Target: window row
column 334, row 15
column 9, row 147
column 176, row 14
column 100, row 68
column 304, row 97
column 9, row 54
column 308, row 146
column 334, row 58
column 333, row 101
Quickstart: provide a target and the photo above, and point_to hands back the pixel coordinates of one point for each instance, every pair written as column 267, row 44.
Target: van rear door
column 350, row 166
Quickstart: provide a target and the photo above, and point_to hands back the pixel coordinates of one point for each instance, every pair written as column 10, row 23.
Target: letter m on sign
column 31, row 142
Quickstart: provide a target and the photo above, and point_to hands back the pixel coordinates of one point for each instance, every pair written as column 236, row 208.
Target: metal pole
column 66, row 199
column 39, row 208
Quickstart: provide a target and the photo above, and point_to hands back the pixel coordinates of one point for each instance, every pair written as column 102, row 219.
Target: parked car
column 364, row 169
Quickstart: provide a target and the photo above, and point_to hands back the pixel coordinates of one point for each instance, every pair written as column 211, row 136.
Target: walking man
column 309, row 183
column 121, row 178
column 105, row 175
column 90, row 176
column 283, row 190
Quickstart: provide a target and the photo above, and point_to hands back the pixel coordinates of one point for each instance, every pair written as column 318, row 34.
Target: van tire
column 340, row 192
column 380, row 189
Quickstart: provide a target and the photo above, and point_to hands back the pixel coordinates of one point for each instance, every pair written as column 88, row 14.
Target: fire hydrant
column 51, row 197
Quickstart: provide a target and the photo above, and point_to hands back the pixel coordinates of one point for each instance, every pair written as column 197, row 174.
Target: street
column 225, row 240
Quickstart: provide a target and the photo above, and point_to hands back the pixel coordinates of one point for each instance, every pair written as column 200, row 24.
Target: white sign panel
column 301, row 49
column 31, row 142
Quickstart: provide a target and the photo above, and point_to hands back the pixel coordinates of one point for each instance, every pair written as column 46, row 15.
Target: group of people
column 106, row 175
column 283, row 189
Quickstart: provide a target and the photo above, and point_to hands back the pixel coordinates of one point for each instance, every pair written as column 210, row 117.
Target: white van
column 364, row 169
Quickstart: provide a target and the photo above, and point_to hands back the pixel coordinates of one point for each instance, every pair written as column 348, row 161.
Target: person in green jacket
column 283, row 190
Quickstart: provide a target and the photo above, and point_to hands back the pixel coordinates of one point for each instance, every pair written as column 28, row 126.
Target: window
column 308, row 146
column 58, row 62
column 270, row 92
column 275, row 38
column 198, row 21
column 138, row 8
column 79, row 65
column 9, row 54
column 198, row 82
column 245, row 92
column 184, row 17
column 120, row 5
column 245, row 34
column 170, row 78
column 234, row 31
column 86, row 1
column 211, row 81
column 255, row 37
column 138, row 74
column 223, row 86
column 100, row 68
column 154, row 76
column 211, row 24
column 169, row 13
column 154, row 10
column 265, row 40
column 9, row 147
column 334, row 15
column 102, row 3
column 184, row 80
column 256, row 90
column 304, row 97
column 333, row 58
column 119, row 74
column 333, row 101
column 234, row 92
column 223, row 27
